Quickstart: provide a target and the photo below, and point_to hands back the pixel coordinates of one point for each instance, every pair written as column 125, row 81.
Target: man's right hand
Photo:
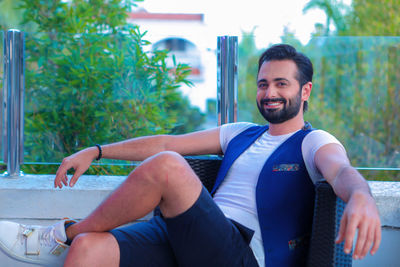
column 79, row 161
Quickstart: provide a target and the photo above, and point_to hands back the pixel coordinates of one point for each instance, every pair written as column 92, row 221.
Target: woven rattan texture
column 341, row 259
column 322, row 238
column 327, row 213
column 206, row 169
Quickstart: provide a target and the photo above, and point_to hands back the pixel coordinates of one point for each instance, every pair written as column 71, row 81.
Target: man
column 265, row 188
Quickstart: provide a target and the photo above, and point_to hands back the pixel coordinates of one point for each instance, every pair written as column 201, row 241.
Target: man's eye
column 262, row 85
column 281, row 84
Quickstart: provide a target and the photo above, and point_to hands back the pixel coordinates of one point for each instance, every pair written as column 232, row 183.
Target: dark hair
column 284, row 51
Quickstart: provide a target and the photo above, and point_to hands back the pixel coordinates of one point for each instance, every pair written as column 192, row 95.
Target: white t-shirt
column 236, row 196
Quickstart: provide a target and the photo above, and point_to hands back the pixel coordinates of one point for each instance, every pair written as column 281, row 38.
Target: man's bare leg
column 93, row 249
column 165, row 180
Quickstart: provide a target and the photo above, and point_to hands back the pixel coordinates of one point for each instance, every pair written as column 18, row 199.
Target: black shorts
column 201, row 236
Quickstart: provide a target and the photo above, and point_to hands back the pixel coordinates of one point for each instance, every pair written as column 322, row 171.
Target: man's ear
column 306, row 91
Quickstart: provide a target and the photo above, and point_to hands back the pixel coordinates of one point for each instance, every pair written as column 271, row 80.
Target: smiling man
column 274, row 107
column 261, row 205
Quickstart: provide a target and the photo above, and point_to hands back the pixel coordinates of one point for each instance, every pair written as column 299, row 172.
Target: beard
column 290, row 109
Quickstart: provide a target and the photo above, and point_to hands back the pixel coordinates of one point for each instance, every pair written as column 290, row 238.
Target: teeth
column 273, row 104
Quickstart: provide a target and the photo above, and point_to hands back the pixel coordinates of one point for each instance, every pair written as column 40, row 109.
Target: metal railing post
column 13, row 102
column 227, row 60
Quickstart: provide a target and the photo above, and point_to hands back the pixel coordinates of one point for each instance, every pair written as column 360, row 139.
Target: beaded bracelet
column 100, row 152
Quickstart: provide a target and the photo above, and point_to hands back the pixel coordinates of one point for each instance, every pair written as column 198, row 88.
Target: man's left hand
column 360, row 214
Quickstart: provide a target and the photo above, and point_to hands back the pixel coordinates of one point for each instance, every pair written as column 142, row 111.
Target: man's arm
column 138, row 149
column 361, row 212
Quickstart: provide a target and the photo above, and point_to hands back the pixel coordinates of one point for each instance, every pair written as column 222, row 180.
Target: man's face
column 279, row 96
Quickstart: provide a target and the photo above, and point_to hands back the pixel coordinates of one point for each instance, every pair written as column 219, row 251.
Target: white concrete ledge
column 387, row 196
column 34, row 196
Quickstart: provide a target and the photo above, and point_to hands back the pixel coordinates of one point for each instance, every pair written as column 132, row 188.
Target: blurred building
column 187, row 38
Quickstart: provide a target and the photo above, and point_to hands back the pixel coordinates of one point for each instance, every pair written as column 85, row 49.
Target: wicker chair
column 328, row 210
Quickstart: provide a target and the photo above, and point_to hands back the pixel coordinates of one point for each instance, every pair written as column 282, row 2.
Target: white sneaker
column 42, row 245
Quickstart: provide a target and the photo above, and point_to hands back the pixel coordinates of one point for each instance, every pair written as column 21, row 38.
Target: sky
column 231, row 17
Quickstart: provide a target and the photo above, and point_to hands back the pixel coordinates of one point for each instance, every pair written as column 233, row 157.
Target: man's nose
column 270, row 92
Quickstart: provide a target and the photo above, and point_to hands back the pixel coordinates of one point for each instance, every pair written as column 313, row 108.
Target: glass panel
column 84, row 89
column 1, row 88
column 355, row 96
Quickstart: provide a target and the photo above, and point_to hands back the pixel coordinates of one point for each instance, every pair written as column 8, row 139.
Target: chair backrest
column 328, row 210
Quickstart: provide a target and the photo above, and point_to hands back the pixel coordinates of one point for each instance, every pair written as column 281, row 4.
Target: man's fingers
column 362, row 240
column 79, row 161
column 65, row 180
column 368, row 242
column 61, row 174
column 350, row 232
column 378, row 237
column 59, row 180
column 75, row 177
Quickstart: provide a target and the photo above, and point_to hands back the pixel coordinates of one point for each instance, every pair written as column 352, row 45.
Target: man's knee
column 81, row 243
column 165, row 166
column 93, row 248
column 168, row 160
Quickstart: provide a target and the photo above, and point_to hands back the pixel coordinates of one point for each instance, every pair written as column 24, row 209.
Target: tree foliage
column 9, row 14
column 374, row 18
column 90, row 80
column 247, row 80
column 334, row 10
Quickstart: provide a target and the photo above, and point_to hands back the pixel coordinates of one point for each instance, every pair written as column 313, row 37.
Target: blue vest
column 284, row 197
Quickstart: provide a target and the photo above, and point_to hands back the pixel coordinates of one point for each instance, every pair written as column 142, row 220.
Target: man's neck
column 286, row 127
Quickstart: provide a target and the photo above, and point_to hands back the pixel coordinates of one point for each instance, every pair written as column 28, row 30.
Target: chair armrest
column 328, row 210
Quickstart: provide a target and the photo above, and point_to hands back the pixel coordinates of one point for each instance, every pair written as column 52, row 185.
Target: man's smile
column 272, row 104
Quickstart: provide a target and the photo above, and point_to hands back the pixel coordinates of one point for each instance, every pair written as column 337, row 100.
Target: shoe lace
column 21, row 237
column 46, row 238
